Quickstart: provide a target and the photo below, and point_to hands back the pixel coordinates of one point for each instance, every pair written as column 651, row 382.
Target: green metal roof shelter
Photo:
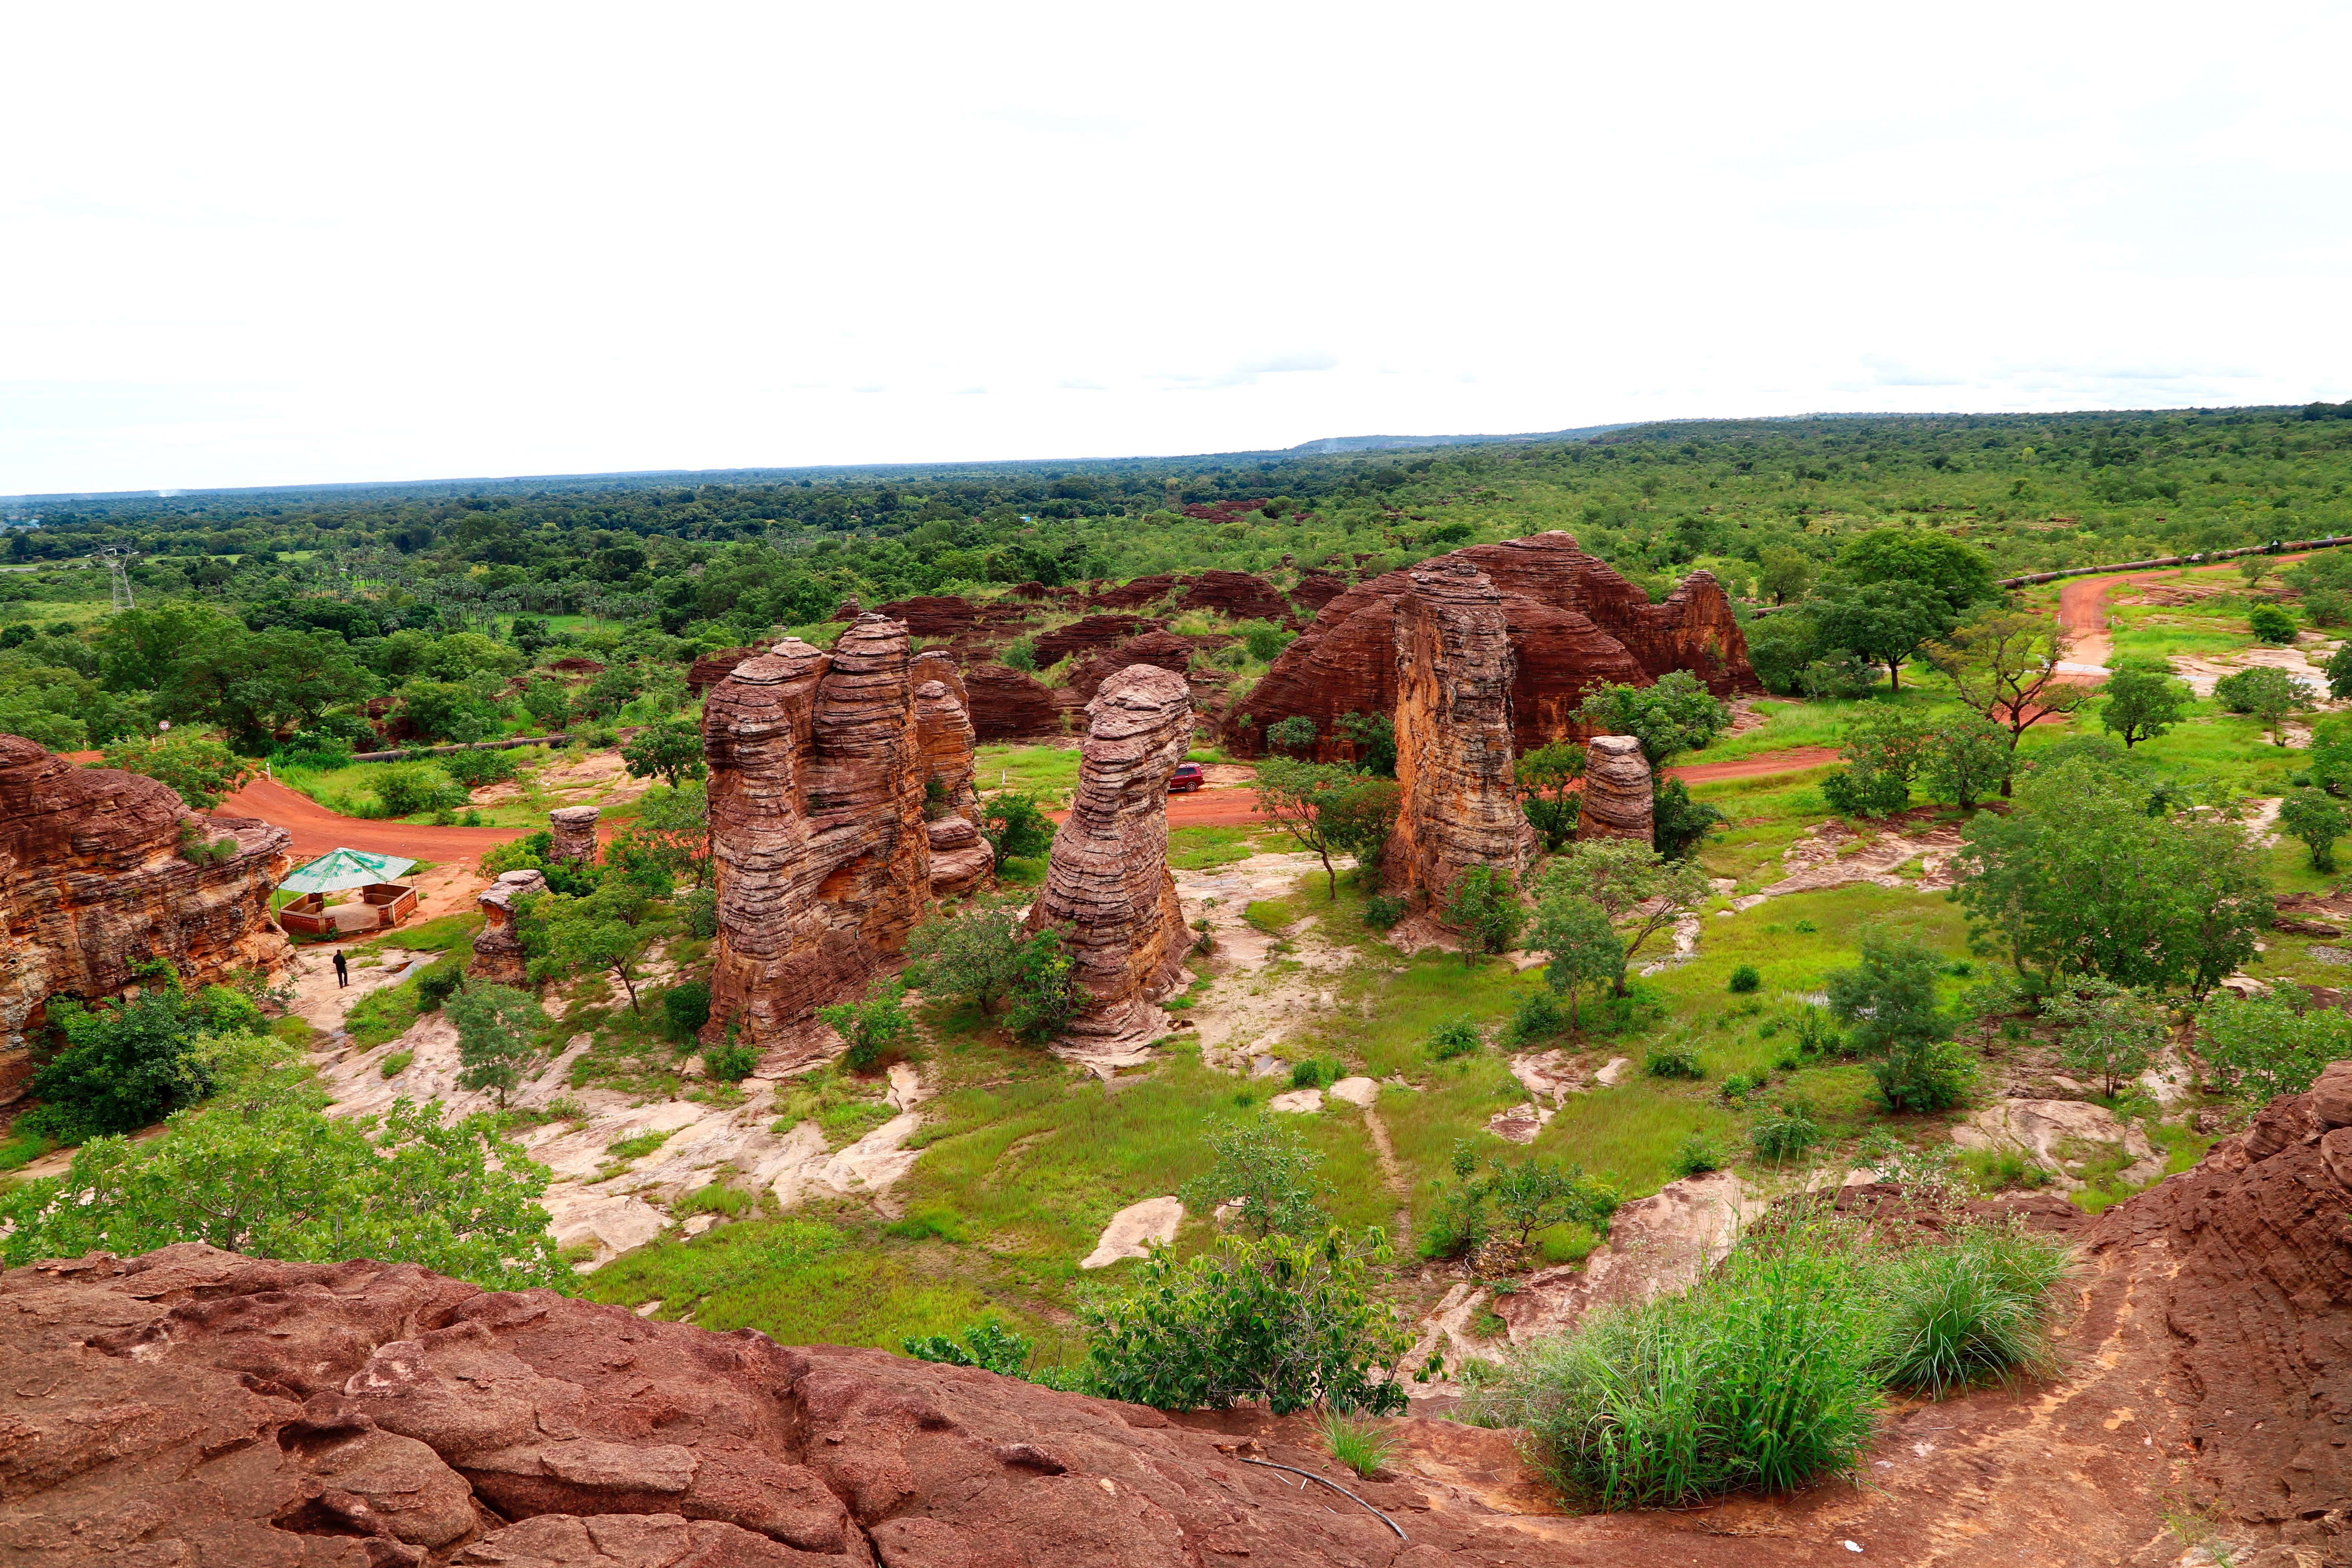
column 343, row 869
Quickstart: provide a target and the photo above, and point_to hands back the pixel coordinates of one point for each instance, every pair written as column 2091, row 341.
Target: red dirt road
column 2083, row 604
column 317, row 830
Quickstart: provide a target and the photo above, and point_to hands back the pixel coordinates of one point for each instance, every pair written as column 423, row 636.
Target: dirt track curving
column 317, row 830
column 2083, row 605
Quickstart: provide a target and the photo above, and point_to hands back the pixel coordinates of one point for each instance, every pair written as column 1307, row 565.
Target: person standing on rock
column 342, row 970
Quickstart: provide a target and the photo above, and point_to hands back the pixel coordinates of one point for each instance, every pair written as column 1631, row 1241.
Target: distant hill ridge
column 1330, row 445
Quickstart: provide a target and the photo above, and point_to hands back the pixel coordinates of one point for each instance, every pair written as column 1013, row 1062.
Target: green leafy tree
column 1889, row 1002
column 2331, row 754
column 1295, row 734
column 2257, row 1046
column 261, row 685
column 194, row 764
column 872, row 1027
column 1780, row 646
column 1374, row 738
column 1265, row 1169
column 972, row 954
column 2319, row 821
column 1303, row 799
column 1484, row 905
column 1676, row 715
column 2270, row 624
column 672, row 829
column 1631, row 883
column 2142, row 699
column 2080, row 879
column 1786, row 574
column 2339, row 671
column 142, row 650
column 571, row 935
column 1584, row 949
column 1678, row 824
column 497, row 1028
column 1884, row 623
column 1968, row 758
column 1884, row 750
column 1550, row 781
column 1045, row 993
column 1357, row 820
column 1278, row 1319
column 2264, row 693
column 1533, row 1195
column 2106, row 1032
column 1959, row 574
column 265, row 1172
column 129, row 1063
column 548, row 702
column 2007, row 666
column 670, row 748
column 1016, row 827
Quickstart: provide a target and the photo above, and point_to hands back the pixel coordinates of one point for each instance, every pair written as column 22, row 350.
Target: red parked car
column 1188, row 776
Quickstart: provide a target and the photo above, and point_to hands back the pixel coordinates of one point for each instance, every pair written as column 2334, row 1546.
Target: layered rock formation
column 1134, row 595
column 1008, row 704
column 960, row 859
column 1316, row 589
column 498, row 957
column 1575, row 625
column 572, row 834
column 92, row 885
column 1452, row 651
column 1617, row 791
column 1236, row 593
column 822, row 861
column 710, row 668
column 1092, row 632
column 1168, row 650
column 1108, row 887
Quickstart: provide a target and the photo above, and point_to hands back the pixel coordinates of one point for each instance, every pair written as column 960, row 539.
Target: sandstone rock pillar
column 92, row 884
column 498, row 950
column 960, row 859
column 572, row 829
column 1108, row 887
column 821, row 860
column 1617, row 791
column 1455, row 667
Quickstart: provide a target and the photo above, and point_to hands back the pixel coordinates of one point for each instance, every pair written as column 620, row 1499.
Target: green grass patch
column 1051, row 770
column 19, row 1150
column 1205, row 848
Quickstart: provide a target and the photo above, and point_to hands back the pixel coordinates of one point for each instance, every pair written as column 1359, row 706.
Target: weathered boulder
column 572, row 834
column 1316, row 589
column 1134, row 595
column 1108, row 888
column 1454, row 661
column 1091, row 632
column 1239, row 594
column 92, row 884
column 1576, row 625
column 822, row 861
column 1617, row 791
column 498, row 950
column 1008, row 704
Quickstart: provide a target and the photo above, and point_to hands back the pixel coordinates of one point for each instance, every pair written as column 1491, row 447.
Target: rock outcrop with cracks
column 1108, row 888
column 1618, row 799
column 94, row 883
column 498, row 957
column 1455, row 667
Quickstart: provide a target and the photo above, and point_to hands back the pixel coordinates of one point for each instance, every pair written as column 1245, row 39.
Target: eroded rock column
column 1108, row 887
column 1617, row 792
column 497, row 950
column 571, row 832
column 1455, row 667
column 960, row 859
column 822, row 862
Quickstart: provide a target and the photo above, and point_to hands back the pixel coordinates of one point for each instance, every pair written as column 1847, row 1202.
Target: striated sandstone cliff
column 92, row 884
column 822, row 860
column 1452, row 650
column 1108, row 887
column 1575, row 625
column 1618, row 801
column 1008, row 704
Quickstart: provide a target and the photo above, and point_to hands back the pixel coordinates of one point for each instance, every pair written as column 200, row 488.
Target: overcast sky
column 244, row 244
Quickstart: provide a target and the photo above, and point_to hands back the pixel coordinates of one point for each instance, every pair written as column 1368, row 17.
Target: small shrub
column 1745, row 979
column 872, row 1028
column 1015, row 827
column 1696, row 1157
column 700, row 910
column 636, row 1147
column 1019, row 654
column 1356, row 1442
column 686, row 1007
column 475, row 768
column 1979, row 1308
column 407, row 789
column 1540, row 1016
column 987, row 1344
column 397, row 1063
column 1738, row 1086
column 1457, row 1038
column 438, row 984
column 1999, row 1170
column 1672, row 1059
column 1381, row 912
column 1785, row 1135
column 1484, row 908
column 730, row 1062
column 715, row 1197
column 2270, row 624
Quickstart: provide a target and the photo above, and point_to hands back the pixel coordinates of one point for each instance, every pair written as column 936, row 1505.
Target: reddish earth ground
column 317, row 830
column 2083, row 605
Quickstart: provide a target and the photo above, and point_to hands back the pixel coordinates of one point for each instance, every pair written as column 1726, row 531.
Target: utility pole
column 116, row 558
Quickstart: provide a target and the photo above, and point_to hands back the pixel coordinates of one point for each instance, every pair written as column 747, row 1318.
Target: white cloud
column 307, row 244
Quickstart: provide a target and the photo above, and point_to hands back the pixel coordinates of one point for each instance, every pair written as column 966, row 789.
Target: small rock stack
column 1454, row 672
column 1617, row 790
column 572, row 830
column 497, row 950
column 1108, row 888
column 960, row 859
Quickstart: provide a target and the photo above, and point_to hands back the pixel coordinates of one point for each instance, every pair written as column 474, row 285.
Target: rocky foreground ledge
column 197, row 1409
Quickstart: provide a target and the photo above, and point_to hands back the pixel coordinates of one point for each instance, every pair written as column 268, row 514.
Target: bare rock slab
column 1133, row 1229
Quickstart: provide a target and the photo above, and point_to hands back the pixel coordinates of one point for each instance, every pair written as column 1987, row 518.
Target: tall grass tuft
column 1760, row 1374
column 1978, row 1308
column 1356, row 1441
